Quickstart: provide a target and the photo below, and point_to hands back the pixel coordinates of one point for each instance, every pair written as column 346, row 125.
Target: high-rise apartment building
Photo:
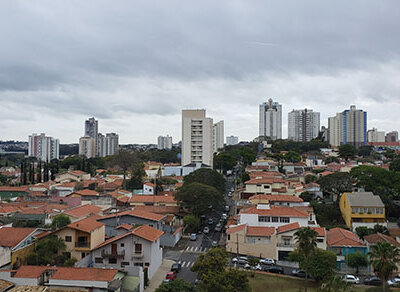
column 232, row 140
column 218, row 136
column 92, row 130
column 392, row 136
column 270, row 120
column 374, row 135
column 197, row 137
column 164, row 142
column 303, row 125
column 348, row 127
column 43, row 147
column 108, row 144
column 87, row 147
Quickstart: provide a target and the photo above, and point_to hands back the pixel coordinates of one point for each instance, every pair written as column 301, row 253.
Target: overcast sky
column 134, row 65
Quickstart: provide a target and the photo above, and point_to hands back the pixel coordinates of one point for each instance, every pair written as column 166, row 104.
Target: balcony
column 137, row 254
column 82, row 244
column 108, row 254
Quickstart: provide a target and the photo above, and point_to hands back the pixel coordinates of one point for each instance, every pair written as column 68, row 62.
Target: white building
column 43, row 147
column 108, row 144
column 348, row 127
column 164, row 142
column 232, row 140
column 303, row 125
column 92, row 130
column 197, row 137
column 87, row 147
column 270, row 120
column 374, row 135
column 218, row 136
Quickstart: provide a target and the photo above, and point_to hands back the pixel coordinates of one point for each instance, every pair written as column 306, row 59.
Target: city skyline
column 136, row 78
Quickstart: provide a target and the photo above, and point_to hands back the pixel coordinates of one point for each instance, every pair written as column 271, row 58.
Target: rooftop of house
column 379, row 237
column 136, row 213
column 235, row 229
column 87, row 225
column 272, row 210
column 288, row 227
column 364, row 199
column 31, row 272
column 83, row 210
column 277, row 198
column 14, row 189
column 259, row 231
column 84, row 274
column 150, row 199
column 12, row 236
column 342, row 237
column 86, row 192
column 265, row 180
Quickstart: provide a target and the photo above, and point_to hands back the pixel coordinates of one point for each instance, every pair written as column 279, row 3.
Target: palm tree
column 384, row 258
column 335, row 284
column 306, row 243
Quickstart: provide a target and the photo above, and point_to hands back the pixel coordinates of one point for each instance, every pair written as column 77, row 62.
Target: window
column 98, row 260
column 83, row 255
column 274, row 219
column 229, row 237
column 266, row 186
column 320, row 240
column 68, row 238
column 284, row 219
column 112, row 260
column 146, row 264
column 123, row 264
column 286, row 241
column 139, row 264
column 263, row 219
column 138, row 248
column 122, row 244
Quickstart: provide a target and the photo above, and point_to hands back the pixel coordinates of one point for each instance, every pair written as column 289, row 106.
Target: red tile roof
column 86, row 225
column 275, row 211
column 87, row 192
column 150, row 199
column 14, row 189
column 147, row 232
column 137, row 213
column 84, row 274
column 342, row 237
column 320, row 230
column 276, row 198
column 288, row 227
column 31, row 272
column 77, row 172
column 379, row 237
column 235, row 229
column 266, row 180
column 260, row 231
column 125, row 226
column 84, row 210
column 158, row 209
column 11, row 236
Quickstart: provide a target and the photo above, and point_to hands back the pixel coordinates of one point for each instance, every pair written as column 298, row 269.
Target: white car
column 240, row 261
column 206, row 230
column 230, row 194
column 267, row 261
column 351, row 279
column 224, row 216
column 394, row 281
column 257, row 267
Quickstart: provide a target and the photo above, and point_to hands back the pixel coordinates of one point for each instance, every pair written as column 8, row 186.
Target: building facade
column 197, row 137
column 374, row 135
column 218, row 136
column 164, row 142
column 348, row 127
column 87, row 147
column 270, row 120
column 392, row 136
column 303, row 125
column 43, row 147
column 232, row 140
column 108, row 144
column 92, row 130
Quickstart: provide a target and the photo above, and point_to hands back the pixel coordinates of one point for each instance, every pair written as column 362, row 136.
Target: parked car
column 267, row 261
column 218, row 227
column 176, row 268
column 240, row 260
column 300, row 273
column 374, row 281
column 256, row 267
column 214, row 243
column 210, row 221
column 193, row 236
column 227, row 208
column 166, row 281
column 351, row 279
column 206, row 230
column 394, row 282
column 230, row 194
column 170, row 276
column 224, row 216
column 274, row 269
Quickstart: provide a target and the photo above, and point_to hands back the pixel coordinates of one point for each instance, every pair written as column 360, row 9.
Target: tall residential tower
column 218, row 136
column 43, row 147
column 303, row 125
column 270, row 120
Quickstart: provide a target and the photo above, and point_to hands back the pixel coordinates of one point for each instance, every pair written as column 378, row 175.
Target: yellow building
column 362, row 209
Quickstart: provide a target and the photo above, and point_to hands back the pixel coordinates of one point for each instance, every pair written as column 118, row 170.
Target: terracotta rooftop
column 87, row 192
column 125, row 226
column 158, row 209
column 150, row 199
column 84, row 274
column 264, row 181
column 276, row 198
column 147, row 232
column 274, row 211
column 379, row 237
column 31, row 272
column 83, row 210
column 11, row 236
column 77, row 172
column 259, row 231
column 86, row 225
column 137, row 213
column 235, row 229
column 320, row 230
column 342, row 237
column 14, row 189
column 288, row 227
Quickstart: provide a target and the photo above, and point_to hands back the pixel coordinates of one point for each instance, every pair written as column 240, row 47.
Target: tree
column 232, row 280
column 306, row 196
column 213, row 260
column 335, row 284
column 292, row 156
column 208, row 177
column 336, row 183
column 365, row 151
column 125, row 160
column 136, row 181
column 310, row 178
column 49, row 251
column 328, row 215
column 196, row 197
column 244, row 177
column 384, row 258
column 224, row 161
column 362, row 231
column 347, row 151
column 306, row 243
column 356, row 260
column 320, row 264
column 178, row 285
column 59, row 221
column 192, row 222
column 395, row 165
column 253, row 262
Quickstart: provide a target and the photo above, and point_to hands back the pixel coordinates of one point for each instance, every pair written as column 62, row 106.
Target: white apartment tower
column 218, row 136
column 232, row 140
column 164, row 142
column 87, row 146
column 348, row 127
column 197, row 137
column 270, row 120
column 303, row 125
column 43, row 148
column 92, row 130
column 108, row 144
column 374, row 135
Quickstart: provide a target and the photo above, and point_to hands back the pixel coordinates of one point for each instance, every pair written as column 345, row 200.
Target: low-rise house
column 42, row 214
column 81, row 212
column 139, row 246
column 373, row 239
column 82, row 236
column 148, row 188
column 70, row 176
column 15, row 244
column 11, row 192
column 343, row 242
column 272, row 185
column 362, row 209
column 189, row 168
column 172, row 169
column 277, row 200
column 315, row 161
column 86, row 195
column 314, row 189
column 164, row 200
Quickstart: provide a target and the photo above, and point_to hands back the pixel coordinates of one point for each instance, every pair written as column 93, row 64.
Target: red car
column 170, row 276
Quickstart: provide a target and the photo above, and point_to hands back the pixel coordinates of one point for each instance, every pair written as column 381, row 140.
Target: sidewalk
column 159, row 276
